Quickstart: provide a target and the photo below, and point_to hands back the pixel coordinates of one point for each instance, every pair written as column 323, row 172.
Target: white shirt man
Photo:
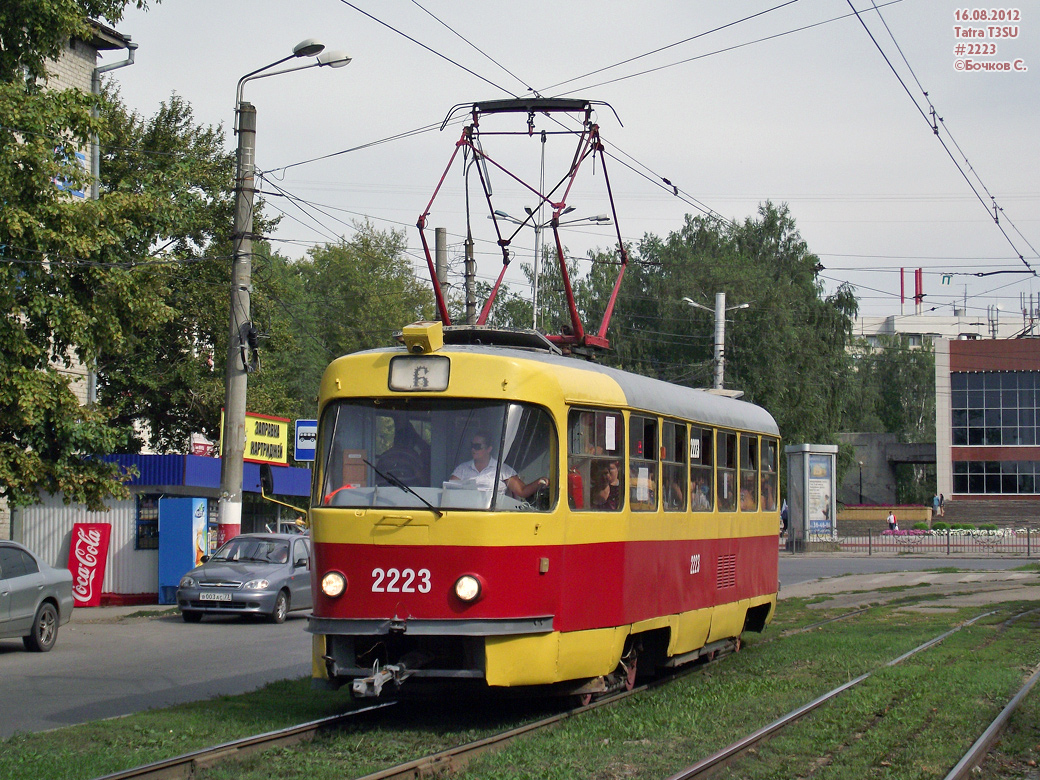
column 483, row 467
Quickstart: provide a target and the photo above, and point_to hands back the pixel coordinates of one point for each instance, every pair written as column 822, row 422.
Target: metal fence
column 1022, row 542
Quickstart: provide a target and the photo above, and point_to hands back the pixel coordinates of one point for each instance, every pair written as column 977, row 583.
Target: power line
column 935, row 130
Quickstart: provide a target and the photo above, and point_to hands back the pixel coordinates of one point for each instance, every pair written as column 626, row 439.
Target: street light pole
column 861, row 483
column 241, row 332
column 535, row 222
column 720, row 332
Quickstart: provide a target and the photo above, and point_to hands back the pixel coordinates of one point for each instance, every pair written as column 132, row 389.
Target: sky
column 736, row 103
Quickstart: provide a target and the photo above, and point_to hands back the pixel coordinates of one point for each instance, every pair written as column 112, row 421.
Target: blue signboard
column 306, row 439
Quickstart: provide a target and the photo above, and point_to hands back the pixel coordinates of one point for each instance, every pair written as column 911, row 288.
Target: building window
column 996, row 408
column 1007, row 477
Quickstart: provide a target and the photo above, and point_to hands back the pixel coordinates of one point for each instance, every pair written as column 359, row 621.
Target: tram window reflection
column 748, row 472
column 726, row 472
column 643, row 465
column 769, row 473
column 595, row 445
column 673, row 466
column 702, row 441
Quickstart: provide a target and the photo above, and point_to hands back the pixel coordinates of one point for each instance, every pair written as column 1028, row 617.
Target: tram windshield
column 438, row 453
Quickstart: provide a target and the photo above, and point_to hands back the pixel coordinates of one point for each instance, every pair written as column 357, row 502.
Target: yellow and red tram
column 501, row 516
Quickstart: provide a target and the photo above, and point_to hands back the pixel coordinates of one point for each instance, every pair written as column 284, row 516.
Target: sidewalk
column 115, row 614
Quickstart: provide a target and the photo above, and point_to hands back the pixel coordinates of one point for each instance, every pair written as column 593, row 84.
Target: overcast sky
column 752, row 100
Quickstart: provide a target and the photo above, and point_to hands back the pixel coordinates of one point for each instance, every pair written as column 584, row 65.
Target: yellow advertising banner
column 267, row 438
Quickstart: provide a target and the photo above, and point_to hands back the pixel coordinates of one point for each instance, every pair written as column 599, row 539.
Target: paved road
column 106, row 664
column 115, row 667
column 795, row 568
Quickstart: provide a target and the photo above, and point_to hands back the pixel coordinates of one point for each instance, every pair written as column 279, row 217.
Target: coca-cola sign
column 88, row 554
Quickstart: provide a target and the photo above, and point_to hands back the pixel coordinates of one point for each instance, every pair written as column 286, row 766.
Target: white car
column 34, row 598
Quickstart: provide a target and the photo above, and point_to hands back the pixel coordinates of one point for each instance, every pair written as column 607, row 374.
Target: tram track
column 961, row 771
column 188, row 765
column 454, row 759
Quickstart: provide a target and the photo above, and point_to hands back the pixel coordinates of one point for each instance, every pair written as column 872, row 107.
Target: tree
column 168, row 382
column 787, row 351
column 357, row 293
column 67, row 287
column 893, row 391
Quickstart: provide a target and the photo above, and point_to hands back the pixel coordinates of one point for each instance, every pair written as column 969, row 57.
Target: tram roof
column 643, row 392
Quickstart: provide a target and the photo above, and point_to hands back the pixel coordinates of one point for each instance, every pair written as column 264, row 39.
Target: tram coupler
column 372, row 686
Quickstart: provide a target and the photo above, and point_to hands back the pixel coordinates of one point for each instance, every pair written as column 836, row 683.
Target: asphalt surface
column 112, row 661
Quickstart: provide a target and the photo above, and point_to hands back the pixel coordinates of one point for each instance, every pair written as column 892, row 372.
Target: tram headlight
column 333, row 584
column 468, row 588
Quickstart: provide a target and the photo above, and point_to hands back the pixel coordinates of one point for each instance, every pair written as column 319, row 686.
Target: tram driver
column 481, row 469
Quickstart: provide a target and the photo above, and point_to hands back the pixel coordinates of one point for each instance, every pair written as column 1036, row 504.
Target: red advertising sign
column 88, row 554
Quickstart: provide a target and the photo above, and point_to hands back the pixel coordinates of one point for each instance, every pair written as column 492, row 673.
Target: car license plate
column 204, row 596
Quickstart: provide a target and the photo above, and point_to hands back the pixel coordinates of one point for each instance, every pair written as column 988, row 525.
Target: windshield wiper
column 398, row 483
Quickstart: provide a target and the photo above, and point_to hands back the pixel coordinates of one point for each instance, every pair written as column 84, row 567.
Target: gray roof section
column 646, row 393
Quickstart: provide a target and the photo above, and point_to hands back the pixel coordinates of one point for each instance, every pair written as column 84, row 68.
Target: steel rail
column 732, row 751
column 978, row 751
column 186, row 766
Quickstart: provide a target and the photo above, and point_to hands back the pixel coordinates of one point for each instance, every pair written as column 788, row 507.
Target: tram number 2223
column 397, row 581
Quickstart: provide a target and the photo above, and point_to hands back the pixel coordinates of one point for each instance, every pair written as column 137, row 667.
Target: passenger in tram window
column 700, row 493
column 768, row 491
column 748, row 499
column 481, row 469
column 606, row 485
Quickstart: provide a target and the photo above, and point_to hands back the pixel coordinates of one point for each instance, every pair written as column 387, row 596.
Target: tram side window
column 595, row 460
column 673, row 466
column 770, row 452
column 701, row 477
column 727, row 471
column 642, row 458
column 748, row 473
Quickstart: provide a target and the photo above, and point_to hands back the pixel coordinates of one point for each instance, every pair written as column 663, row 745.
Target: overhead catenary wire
column 926, row 117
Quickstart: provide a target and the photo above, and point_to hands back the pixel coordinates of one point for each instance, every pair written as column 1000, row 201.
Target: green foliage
column 786, row 351
column 353, row 295
column 66, row 290
column 169, row 379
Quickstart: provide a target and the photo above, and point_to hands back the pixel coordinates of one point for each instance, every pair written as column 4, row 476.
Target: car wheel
column 191, row 616
column 281, row 607
column 44, row 630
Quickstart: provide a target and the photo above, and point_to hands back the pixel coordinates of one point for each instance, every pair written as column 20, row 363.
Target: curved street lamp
column 720, row 331
column 599, row 219
column 241, row 333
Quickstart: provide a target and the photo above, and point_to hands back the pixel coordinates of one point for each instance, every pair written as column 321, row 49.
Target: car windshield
column 437, row 453
column 245, row 548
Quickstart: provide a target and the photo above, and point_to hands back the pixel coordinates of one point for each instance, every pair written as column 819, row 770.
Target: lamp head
column 309, row 47
column 334, row 59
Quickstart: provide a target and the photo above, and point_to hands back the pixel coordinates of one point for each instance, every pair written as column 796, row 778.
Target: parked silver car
column 260, row 574
column 34, row 598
